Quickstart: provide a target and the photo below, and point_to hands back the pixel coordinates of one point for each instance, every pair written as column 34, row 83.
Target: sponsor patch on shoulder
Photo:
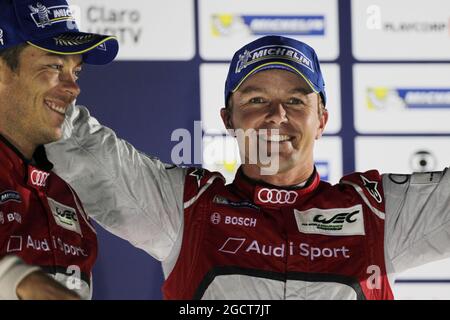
column 334, row 222
column 426, row 177
column 372, row 188
column 198, row 174
column 10, row 195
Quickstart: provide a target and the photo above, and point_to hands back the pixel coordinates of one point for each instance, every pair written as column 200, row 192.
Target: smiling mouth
column 53, row 106
column 276, row 138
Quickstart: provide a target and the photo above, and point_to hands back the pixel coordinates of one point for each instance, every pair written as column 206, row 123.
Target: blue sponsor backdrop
column 312, row 25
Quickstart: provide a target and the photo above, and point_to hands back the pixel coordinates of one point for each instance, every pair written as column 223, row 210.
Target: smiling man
column 285, row 235
column 291, row 116
column 47, row 244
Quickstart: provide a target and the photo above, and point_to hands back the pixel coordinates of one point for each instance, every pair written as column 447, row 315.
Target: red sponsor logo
column 215, row 218
column 39, row 178
column 275, row 196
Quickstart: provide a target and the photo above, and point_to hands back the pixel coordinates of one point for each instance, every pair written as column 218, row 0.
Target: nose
column 70, row 84
column 277, row 113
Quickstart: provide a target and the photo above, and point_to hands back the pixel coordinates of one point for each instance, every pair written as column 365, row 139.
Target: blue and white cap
column 275, row 52
column 49, row 25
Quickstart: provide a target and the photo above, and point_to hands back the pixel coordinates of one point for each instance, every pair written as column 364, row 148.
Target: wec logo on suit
column 334, row 222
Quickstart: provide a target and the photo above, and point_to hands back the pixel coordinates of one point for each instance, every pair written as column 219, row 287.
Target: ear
column 225, row 113
column 323, row 119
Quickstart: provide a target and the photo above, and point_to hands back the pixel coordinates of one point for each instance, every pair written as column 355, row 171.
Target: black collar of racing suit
column 266, row 194
column 39, row 159
column 304, row 185
column 17, row 163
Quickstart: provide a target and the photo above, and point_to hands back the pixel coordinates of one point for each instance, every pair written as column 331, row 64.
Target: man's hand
column 39, row 286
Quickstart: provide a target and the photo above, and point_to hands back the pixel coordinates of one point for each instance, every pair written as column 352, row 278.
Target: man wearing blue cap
column 47, row 243
column 284, row 235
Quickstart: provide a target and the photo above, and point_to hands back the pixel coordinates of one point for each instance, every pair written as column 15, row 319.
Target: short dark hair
column 11, row 55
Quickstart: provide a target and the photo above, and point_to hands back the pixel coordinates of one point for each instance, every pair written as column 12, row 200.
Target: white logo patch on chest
column 66, row 217
column 334, row 222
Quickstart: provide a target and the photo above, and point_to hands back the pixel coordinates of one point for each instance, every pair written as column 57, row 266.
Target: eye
column 257, row 100
column 56, row 66
column 77, row 73
column 294, row 101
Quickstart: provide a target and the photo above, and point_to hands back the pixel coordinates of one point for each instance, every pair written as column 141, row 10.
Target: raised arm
column 417, row 218
column 134, row 196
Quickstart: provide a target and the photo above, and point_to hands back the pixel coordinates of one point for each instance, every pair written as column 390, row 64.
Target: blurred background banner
column 386, row 65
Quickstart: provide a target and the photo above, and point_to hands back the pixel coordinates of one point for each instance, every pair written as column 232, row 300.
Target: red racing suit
column 250, row 240
column 42, row 224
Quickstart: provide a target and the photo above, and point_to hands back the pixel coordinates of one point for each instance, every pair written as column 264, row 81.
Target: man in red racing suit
column 284, row 236
column 47, row 245
column 42, row 225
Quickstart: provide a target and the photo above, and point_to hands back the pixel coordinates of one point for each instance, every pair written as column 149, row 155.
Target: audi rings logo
column 215, row 218
column 275, row 196
column 39, row 178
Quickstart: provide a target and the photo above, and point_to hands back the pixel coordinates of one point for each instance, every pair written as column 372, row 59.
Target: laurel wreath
column 69, row 40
